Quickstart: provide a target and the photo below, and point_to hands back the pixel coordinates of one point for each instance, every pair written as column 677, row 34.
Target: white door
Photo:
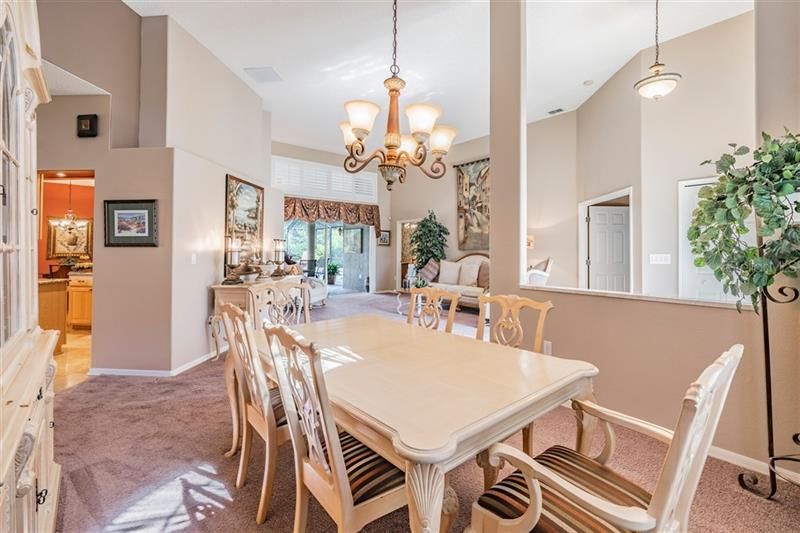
column 609, row 262
column 699, row 283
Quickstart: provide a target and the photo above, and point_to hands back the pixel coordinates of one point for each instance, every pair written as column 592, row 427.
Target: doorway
column 65, row 268
column 605, row 242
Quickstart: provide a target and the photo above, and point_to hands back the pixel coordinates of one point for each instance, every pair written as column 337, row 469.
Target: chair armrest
column 640, row 426
column 632, row 518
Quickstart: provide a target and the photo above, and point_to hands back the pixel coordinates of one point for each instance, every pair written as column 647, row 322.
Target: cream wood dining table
column 428, row 401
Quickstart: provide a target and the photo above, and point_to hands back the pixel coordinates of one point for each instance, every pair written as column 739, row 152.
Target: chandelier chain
column 657, row 45
column 394, row 69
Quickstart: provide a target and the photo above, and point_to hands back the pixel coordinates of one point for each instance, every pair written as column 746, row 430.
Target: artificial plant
column 767, row 187
column 428, row 241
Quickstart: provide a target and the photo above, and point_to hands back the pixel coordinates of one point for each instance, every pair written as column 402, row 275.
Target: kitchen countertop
column 48, row 281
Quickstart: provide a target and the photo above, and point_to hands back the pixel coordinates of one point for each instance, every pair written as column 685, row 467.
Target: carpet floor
column 146, row 454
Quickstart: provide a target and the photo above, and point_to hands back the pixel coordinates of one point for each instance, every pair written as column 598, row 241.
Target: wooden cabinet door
column 80, row 306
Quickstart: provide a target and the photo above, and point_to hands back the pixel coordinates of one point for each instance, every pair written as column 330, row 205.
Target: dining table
column 429, row 401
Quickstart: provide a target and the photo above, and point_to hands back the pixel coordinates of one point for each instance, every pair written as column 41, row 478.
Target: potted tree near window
column 333, row 271
column 769, row 187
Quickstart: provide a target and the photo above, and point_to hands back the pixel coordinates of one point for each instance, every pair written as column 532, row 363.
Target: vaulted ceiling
column 328, row 52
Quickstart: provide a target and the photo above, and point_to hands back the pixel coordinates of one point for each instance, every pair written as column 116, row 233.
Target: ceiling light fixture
column 659, row 83
column 398, row 150
column 69, row 217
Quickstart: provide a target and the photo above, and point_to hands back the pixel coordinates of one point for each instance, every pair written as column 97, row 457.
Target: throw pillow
column 483, row 276
column 429, row 271
column 469, row 274
column 448, row 272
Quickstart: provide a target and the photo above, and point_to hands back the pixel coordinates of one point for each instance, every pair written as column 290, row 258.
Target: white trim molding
column 748, row 463
column 94, row 371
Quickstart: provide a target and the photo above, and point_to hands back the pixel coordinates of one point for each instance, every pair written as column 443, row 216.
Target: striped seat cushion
column 510, row 497
column 277, row 406
column 369, row 474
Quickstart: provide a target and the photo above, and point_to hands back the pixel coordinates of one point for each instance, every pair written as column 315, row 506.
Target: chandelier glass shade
column 659, row 83
column 69, row 218
column 399, row 150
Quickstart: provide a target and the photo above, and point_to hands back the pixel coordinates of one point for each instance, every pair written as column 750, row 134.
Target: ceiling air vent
column 263, row 74
column 555, row 111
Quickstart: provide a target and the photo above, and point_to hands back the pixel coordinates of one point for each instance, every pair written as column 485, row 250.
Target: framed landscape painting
column 473, row 189
column 244, row 209
column 131, row 222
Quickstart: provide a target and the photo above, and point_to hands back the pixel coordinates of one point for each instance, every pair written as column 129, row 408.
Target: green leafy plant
column 333, row 269
column 420, row 283
column 765, row 187
column 429, row 240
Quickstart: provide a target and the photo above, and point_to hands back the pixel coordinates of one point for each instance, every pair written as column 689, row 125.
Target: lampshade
column 442, row 138
column 408, row 144
column 347, row 132
column 421, row 120
column 362, row 117
column 658, row 84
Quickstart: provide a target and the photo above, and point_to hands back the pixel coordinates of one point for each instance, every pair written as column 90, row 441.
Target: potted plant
column 429, row 240
column 333, row 271
column 768, row 187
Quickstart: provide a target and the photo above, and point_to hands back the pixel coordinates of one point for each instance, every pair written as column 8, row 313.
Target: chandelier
column 68, row 222
column 398, row 150
column 659, row 83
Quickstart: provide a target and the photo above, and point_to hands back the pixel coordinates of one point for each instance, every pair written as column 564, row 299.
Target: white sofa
column 469, row 293
column 539, row 274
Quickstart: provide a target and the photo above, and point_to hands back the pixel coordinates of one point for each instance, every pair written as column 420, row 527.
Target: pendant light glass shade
column 658, row 84
column 408, row 144
column 362, row 117
column 347, row 133
column 421, row 120
column 442, row 138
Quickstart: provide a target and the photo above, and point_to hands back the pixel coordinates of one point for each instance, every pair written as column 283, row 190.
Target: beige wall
column 647, row 351
column 714, row 105
column 211, row 112
column 99, row 42
column 384, row 255
column 59, row 146
column 153, row 83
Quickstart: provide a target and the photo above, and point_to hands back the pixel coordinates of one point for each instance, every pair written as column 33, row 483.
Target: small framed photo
column 385, row 239
column 87, row 125
column 131, row 223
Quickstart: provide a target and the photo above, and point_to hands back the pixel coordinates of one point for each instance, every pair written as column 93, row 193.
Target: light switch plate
column 660, row 259
column 547, row 347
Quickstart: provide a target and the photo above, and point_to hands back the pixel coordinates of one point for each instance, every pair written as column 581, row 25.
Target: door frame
column 583, row 233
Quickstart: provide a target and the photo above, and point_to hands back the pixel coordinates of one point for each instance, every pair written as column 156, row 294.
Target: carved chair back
column 282, row 303
column 315, row 439
column 700, row 414
column 430, row 307
column 507, row 329
column 249, row 364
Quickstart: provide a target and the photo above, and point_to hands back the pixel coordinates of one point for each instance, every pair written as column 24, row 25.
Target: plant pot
column 331, row 279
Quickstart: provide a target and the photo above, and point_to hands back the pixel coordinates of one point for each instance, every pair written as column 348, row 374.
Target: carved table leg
column 425, row 486
column 233, row 400
column 489, row 472
column 449, row 508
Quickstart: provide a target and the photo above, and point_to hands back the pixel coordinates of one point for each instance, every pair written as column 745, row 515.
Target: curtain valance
column 310, row 210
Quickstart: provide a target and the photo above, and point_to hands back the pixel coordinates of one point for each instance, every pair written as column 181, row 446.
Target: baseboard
column 151, row 373
column 748, row 463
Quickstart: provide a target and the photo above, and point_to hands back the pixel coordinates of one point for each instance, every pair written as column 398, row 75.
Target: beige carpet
column 142, row 454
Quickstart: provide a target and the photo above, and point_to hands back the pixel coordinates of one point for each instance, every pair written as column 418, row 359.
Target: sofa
column 467, row 276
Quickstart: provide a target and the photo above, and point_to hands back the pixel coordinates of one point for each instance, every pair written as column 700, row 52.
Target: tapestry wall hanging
column 473, row 189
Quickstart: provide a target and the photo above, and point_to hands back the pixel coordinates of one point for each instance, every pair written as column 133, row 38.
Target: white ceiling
column 64, row 83
column 330, row 52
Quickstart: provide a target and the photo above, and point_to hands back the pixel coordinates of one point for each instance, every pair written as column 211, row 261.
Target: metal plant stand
column 749, row 480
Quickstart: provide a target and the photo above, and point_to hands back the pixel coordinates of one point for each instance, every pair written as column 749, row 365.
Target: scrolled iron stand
column 749, row 480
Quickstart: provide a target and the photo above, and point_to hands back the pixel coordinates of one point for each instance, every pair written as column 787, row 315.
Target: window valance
column 310, row 210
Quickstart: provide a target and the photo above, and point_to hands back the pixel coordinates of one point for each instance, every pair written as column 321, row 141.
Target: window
column 14, row 195
column 325, row 182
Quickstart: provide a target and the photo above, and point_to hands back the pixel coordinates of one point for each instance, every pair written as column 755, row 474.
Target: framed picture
column 385, row 239
column 244, row 209
column 131, row 222
column 68, row 240
column 352, row 240
column 472, row 202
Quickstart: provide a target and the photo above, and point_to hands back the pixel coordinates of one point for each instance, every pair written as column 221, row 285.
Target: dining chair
column 281, row 302
column 260, row 406
column 426, row 303
column 507, row 331
column 352, row 482
column 567, row 490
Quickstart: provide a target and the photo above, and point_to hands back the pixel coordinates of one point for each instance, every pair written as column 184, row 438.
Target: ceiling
column 64, row 83
column 330, row 52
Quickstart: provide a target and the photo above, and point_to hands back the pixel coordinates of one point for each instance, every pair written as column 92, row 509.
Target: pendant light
column 68, row 221
column 659, row 83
